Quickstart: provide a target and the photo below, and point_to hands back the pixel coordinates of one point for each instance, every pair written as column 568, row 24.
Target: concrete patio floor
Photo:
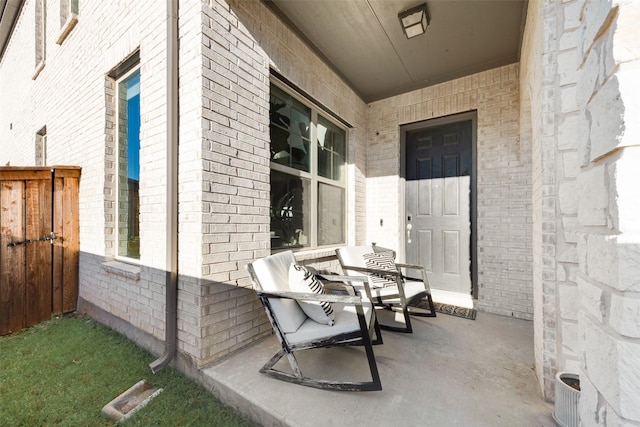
column 450, row 371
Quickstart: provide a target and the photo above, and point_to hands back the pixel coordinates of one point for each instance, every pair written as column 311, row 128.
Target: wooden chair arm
column 303, row 296
column 424, row 279
column 371, row 271
column 411, row 266
column 338, row 278
column 339, row 288
column 394, row 275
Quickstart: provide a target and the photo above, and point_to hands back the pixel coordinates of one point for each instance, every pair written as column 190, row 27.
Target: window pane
column 289, row 211
column 129, row 166
column 331, row 150
column 289, row 128
column 330, row 214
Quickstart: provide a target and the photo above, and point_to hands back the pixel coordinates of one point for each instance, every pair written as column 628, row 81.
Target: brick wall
column 538, row 68
column 570, row 111
column 549, row 74
column 226, row 51
column 503, row 171
column 531, row 70
column 72, row 99
column 240, row 41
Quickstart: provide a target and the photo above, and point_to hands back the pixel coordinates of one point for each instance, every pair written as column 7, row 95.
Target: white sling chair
column 388, row 288
column 354, row 322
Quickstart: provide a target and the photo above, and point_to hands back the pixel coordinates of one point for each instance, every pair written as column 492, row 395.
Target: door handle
column 409, row 227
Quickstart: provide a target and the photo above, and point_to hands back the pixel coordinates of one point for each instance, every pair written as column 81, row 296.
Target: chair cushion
column 381, row 261
column 346, row 321
column 390, row 294
column 302, row 280
column 273, row 275
column 352, row 255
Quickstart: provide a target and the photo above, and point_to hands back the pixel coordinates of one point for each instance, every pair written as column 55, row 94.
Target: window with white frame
column 68, row 18
column 308, row 165
column 40, row 36
column 41, row 147
column 128, row 164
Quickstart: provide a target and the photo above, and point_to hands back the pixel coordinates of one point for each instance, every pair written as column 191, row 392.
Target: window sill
column 119, row 268
column 72, row 20
column 39, row 68
column 315, row 254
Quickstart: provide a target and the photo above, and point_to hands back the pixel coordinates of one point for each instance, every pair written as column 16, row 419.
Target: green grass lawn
column 62, row 372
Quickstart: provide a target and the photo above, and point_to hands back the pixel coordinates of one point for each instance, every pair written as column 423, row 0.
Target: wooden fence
column 39, row 244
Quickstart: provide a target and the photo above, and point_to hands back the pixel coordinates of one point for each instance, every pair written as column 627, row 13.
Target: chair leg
column 407, row 329
column 298, row 378
column 378, row 333
column 417, row 302
column 274, row 359
column 375, row 383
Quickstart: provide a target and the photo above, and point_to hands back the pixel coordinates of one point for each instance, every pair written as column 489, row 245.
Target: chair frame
column 363, row 337
column 404, row 305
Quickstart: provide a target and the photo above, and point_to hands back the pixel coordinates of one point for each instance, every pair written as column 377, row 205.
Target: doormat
column 454, row 310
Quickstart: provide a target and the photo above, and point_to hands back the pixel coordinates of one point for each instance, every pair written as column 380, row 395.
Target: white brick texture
column 240, row 42
column 72, row 98
column 226, row 51
column 503, row 176
column 557, row 148
column 549, row 71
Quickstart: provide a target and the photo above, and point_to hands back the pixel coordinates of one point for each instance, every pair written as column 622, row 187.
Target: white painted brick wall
column 549, row 76
column 77, row 109
column 239, row 42
column 226, row 51
column 532, row 68
column 504, row 186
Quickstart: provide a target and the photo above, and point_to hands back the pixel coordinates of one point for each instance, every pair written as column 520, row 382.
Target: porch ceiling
column 363, row 42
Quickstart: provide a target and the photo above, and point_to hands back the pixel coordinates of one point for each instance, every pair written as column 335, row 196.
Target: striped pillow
column 381, row 261
column 302, row 280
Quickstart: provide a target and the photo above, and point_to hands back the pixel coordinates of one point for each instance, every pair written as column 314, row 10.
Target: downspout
column 171, row 277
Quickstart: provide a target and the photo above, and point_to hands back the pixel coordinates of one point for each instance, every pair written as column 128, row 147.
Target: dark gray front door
column 438, row 204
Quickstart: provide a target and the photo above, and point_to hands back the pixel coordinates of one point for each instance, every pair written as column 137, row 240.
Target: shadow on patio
column 450, row 371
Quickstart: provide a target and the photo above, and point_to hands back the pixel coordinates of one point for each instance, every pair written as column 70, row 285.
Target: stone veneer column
column 567, row 117
column 608, row 95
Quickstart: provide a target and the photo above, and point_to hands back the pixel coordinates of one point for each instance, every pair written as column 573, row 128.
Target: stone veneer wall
column 503, row 184
column 578, row 76
column 608, row 96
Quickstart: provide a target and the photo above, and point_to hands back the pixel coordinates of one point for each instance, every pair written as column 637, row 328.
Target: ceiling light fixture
column 414, row 21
